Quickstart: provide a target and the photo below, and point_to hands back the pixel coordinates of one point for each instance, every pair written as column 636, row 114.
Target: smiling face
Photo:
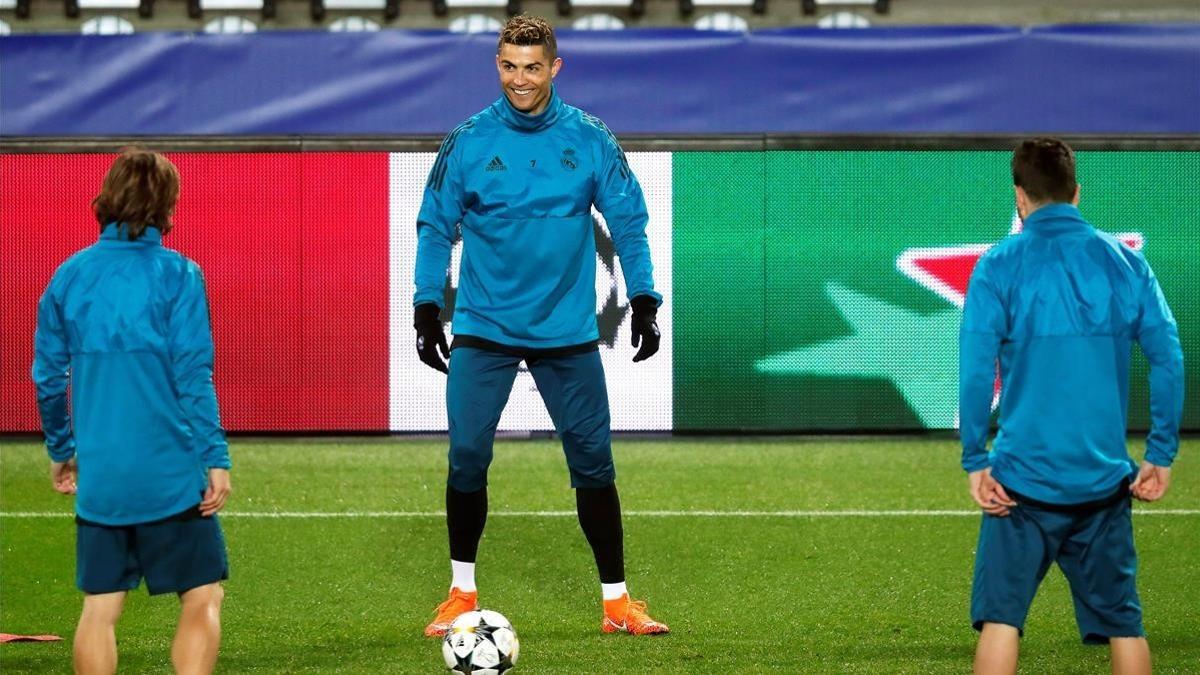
column 526, row 73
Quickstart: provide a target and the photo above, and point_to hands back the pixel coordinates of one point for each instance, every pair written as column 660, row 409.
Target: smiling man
column 519, row 180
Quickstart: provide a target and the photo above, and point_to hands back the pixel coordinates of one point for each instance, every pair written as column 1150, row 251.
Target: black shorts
column 1091, row 543
column 175, row 554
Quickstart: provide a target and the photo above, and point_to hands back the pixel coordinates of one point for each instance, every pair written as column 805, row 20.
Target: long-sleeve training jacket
column 1061, row 304
column 126, row 324
column 522, row 187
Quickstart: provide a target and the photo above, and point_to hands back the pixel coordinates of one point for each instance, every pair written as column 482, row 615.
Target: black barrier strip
column 631, row 143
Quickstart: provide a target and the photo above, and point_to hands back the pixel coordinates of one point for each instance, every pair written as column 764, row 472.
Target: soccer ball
column 482, row 642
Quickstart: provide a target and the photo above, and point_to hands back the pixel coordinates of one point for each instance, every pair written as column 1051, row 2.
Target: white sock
column 613, row 591
column 463, row 576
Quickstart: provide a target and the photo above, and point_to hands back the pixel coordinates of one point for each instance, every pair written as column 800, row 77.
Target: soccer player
column 125, row 323
column 520, row 179
column 1060, row 305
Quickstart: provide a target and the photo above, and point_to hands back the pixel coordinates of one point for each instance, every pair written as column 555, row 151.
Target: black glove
column 430, row 336
column 645, row 328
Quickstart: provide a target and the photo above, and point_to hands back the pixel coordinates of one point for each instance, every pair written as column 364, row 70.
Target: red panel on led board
column 239, row 218
column 345, row 289
column 45, row 217
column 297, row 282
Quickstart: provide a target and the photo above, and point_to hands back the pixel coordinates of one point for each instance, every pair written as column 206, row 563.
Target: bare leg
column 96, row 636
column 997, row 651
column 198, row 637
column 1130, row 656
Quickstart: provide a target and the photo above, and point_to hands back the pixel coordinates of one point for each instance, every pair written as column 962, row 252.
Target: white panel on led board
column 108, row 4
column 722, row 21
column 353, row 24
column 231, row 25
column 475, row 23
column 231, row 4
column 598, row 22
column 640, row 394
column 106, row 25
column 355, row 4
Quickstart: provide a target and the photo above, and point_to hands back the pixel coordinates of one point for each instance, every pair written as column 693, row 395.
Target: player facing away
column 125, row 323
column 1060, row 305
column 520, row 178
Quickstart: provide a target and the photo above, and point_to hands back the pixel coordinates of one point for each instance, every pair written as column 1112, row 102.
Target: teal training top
column 126, row 323
column 1060, row 305
column 522, row 188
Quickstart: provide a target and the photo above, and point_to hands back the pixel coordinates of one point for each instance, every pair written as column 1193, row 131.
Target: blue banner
column 1116, row 79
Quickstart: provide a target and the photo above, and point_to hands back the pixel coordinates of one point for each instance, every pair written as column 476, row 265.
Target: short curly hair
column 524, row 30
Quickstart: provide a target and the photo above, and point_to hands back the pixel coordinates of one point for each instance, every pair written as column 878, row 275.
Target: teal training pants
column 573, row 389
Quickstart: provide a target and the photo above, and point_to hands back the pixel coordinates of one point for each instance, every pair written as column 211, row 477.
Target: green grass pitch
column 765, row 591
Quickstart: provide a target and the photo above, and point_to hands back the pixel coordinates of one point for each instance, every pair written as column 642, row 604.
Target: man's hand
column 989, row 493
column 431, row 336
column 1151, row 483
column 645, row 327
column 217, row 492
column 63, row 476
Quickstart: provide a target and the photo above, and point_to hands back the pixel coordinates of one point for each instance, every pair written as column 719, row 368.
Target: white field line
column 914, row 513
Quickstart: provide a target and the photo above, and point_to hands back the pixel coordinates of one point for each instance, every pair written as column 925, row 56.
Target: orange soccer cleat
column 459, row 602
column 630, row 616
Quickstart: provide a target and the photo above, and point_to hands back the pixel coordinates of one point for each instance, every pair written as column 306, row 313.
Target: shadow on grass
column 35, row 657
column 362, row 654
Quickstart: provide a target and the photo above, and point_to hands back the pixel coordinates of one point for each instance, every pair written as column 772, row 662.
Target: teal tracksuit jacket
column 126, row 324
column 522, row 187
column 1060, row 305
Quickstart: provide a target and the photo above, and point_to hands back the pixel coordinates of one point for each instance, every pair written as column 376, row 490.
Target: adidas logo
column 496, row 164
